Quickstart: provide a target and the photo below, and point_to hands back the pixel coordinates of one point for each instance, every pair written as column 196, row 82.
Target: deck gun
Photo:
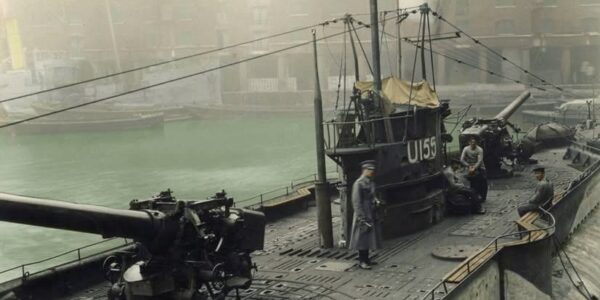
column 184, row 250
column 493, row 136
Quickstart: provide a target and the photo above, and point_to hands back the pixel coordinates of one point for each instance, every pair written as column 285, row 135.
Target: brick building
column 557, row 39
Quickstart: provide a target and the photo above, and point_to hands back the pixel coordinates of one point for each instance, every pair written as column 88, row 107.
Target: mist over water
column 195, row 158
column 244, row 156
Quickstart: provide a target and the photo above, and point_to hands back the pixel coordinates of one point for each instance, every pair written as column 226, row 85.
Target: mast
column 354, row 56
column 112, row 35
column 321, row 186
column 424, row 12
column 377, row 71
column 399, row 34
column 375, row 50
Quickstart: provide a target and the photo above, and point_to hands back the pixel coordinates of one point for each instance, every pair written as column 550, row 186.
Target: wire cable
column 384, row 41
column 587, row 295
column 361, row 46
column 173, row 80
column 490, row 72
column 478, row 42
column 430, row 52
column 166, row 62
column 339, row 84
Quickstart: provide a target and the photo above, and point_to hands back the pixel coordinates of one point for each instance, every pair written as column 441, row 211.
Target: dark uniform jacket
column 366, row 228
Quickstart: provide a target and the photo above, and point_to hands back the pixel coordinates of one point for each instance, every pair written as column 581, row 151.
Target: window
column 463, row 24
column 544, row 26
column 152, row 36
column 184, row 10
column 462, row 7
column 117, row 12
column 222, row 38
column 590, row 25
column 505, row 27
column 73, row 15
column 505, row 2
column 150, row 12
column 185, row 37
column 222, row 18
column 259, row 16
column 260, row 46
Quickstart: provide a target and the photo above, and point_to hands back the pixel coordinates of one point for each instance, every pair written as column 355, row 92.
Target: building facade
column 557, row 39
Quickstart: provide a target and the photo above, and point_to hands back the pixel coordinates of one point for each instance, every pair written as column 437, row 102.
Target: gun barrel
column 108, row 222
column 513, row 106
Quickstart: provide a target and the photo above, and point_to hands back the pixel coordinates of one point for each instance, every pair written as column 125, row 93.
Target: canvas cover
column 397, row 91
column 550, row 130
column 579, row 105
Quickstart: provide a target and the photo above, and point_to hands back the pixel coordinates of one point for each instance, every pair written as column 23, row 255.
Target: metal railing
column 581, row 179
column 258, row 201
column 78, row 251
column 342, row 134
column 497, row 247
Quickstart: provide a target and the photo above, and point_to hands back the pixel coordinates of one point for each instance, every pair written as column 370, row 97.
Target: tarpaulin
column 397, row 91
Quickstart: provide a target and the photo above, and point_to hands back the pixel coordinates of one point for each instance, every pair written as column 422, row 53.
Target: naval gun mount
column 494, row 138
column 185, row 250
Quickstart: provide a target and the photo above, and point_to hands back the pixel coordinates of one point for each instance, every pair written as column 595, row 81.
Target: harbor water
column 194, row 158
column 245, row 156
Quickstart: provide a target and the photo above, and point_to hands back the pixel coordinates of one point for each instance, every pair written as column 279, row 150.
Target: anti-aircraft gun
column 184, row 249
column 493, row 136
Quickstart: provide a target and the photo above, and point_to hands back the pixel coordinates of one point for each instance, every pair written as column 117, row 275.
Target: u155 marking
column 422, row 149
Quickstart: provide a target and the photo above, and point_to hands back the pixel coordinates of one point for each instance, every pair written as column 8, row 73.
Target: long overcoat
column 363, row 200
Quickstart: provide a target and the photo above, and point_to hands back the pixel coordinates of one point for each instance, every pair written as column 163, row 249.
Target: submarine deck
column 292, row 266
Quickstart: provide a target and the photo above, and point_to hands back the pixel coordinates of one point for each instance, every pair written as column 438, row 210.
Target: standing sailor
column 366, row 230
column 544, row 193
column 472, row 158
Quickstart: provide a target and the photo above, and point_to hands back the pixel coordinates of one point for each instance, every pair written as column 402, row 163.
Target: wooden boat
column 60, row 126
column 112, row 112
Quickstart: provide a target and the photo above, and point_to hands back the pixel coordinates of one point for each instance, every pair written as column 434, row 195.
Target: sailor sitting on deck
column 544, row 193
column 366, row 230
column 460, row 198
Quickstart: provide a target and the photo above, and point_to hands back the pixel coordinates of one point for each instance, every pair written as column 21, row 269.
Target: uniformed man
column 544, row 193
column 366, row 230
column 472, row 158
column 459, row 196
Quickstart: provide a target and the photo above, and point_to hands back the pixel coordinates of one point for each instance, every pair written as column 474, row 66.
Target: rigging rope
column 333, row 59
column 168, row 61
column 496, row 53
column 430, row 52
column 360, row 44
column 386, row 43
column 345, row 58
column 337, row 93
column 587, row 295
column 412, row 82
column 174, row 79
column 459, row 61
